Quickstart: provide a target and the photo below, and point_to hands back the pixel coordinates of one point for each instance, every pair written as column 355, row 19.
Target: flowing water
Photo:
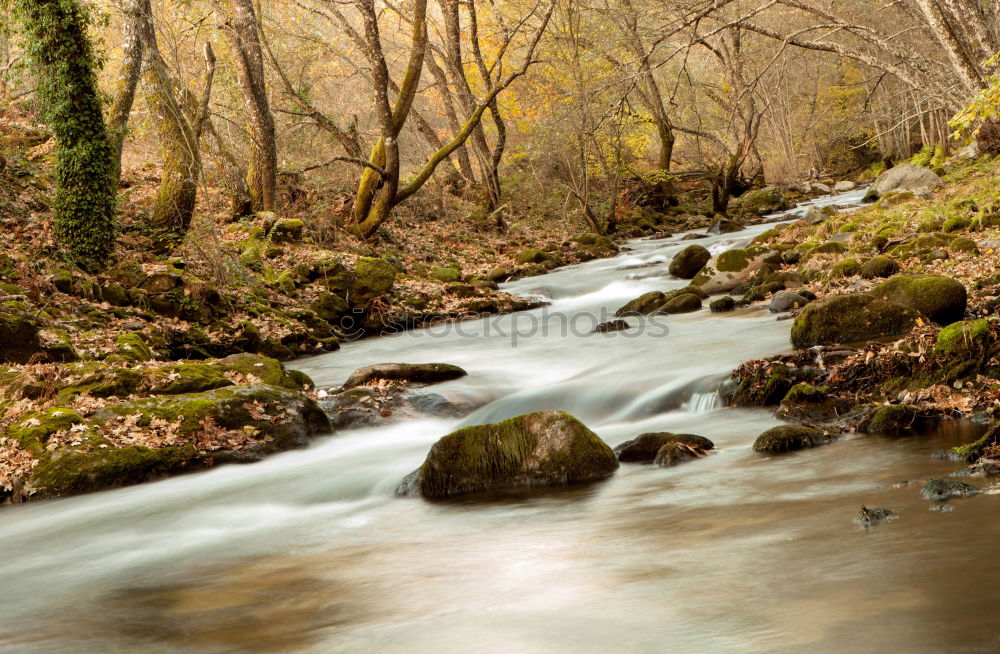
column 309, row 551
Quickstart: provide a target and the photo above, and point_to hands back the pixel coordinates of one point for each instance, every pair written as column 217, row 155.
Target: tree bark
column 128, row 80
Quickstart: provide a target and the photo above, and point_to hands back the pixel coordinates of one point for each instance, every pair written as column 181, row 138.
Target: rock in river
column 848, row 319
column 421, row 373
column 689, row 261
column 789, row 438
column 643, row 448
column 546, row 448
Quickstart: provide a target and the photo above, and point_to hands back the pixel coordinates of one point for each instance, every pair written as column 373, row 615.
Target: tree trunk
column 128, row 80
column 178, row 192
column 84, row 202
column 241, row 29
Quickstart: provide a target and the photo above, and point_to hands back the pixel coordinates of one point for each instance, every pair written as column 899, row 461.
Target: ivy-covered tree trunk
column 84, row 203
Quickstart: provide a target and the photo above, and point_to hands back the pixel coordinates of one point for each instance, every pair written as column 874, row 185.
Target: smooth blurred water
column 309, row 551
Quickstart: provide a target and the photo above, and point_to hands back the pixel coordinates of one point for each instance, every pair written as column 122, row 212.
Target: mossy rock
column 894, row 419
column 845, row 268
column 881, row 266
column 645, row 304
column 446, row 275
column 964, row 339
column 964, row 245
column 732, row 260
column 956, row 224
column 547, row 448
column 789, row 438
column 849, row 319
column 644, row 448
column 74, row 473
column 722, row 305
column 972, row 452
column 330, row 307
column 287, row 231
column 764, row 387
column 689, row 261
column 673, row 454
column 133, row 348
column 830, row 247
column 940, row 298
column 267, row 370
column 115, row 295
column 372, row 278
column 764, row 201
column 534, row 256
column 33, row 429
column 19, row 340
column 682, row 303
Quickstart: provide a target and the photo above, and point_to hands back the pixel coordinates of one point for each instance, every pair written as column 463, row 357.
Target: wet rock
column 881, row 266
column 786, row 301
column 844, row 186
column 689, row 261
column 808, row 403
column 894, row 419
column 693, row 237
column 673, row 454
column 819, row 189
column 789, row 438
column 643, row 448
column 722, row 305
column 905, row 177
column 731, row 269
column 871, row 517
column 940, row 490
column 725, row 226
column 764, row 201
column 940, row 298
column 420, row 373
column 547, row 448
column 683, row 303
column 611, row 326
column 848, row 319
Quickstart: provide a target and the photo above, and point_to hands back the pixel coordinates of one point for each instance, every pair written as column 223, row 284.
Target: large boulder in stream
column 689, row 261
column 546, row 448
column 940, row 298
column 418, row 373
column 764, row 201
column 681, row 300
column 644, row 448
column 788, row 438
column 905, row 177
column 730, row 269
column 849, row 319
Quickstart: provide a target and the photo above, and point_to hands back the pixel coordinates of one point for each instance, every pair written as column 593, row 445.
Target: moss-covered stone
column 789, row 438
column 673, row 454
column 133, row 348
column 287, row 231
column 683, row 303
column 732, row 260
column 764, row 201
column 267, row 370
column 532, row 255
column 643, row 305
column 848, row 319
column 446, row 274
column 689, row 261
column 881, row 266
column 830, row 247
column 722, row 305
column 33, row 429
column 548, row 448
column 845, row 268
column 964, row 338
column 956, row 224
column 417, row 373
column 964, row 245
column 894, row 419
column 330, row 307
column 940, row 298
column 763, row 387
column 971, row 452
column 940, row 490
column 372, row 278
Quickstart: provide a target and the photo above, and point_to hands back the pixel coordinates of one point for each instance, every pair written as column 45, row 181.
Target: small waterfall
column 704, row 402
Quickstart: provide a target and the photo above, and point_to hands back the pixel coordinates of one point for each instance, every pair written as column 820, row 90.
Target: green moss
column 789, row 438
column 73, row 473
column 644, row 304
column 942, row 299
column 965, row 338
column 32, row 429
column 508, row 453
column 894, row 419
column 964, row 245
column 732, row 260
column 848, row 319
column 956, row 224
column 287, row 231
column 846, row 268
column 372, row 278
column 973, row 451
column 805, row 394
column 446, row 274
column 133, row 348
column 880, row 266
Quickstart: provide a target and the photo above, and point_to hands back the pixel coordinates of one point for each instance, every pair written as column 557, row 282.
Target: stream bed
column 310, row 551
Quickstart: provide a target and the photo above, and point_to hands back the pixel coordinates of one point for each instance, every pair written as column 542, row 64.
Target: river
column 310, row 551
